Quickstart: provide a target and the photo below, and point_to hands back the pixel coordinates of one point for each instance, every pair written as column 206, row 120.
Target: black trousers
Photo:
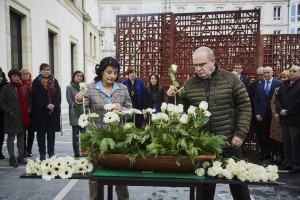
column 263, row 133
column 239, row 192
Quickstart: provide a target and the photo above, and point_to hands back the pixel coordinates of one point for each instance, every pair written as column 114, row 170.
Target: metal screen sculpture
column 152, row 42
column 281, row 51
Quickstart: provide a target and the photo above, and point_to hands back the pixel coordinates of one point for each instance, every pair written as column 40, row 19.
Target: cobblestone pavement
column 14, row 188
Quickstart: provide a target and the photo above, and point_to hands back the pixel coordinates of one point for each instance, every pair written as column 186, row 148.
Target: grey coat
column 95, row 100
column 70, row 94
column 10, row 104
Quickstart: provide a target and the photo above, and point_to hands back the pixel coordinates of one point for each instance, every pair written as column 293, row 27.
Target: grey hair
column 260, row 70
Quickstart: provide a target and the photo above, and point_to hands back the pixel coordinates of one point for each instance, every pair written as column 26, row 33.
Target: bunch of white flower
column 64, row 167
column 241, row 170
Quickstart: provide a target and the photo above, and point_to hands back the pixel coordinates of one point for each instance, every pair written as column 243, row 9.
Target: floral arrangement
column 63, row 167
column 169, row 133
column 240, row 169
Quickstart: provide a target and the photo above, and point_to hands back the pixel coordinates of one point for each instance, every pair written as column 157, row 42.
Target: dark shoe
column 29, row 154
column 294, row 171
column 77, row 155
column 2, row 156
column 275, row 159
column 285, row 167
column 42, row 157
column 51, row 154
column 265, row 156
column 21, row 160
column 13, row 162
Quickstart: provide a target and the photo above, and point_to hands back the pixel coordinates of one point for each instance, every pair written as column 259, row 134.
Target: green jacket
column 228, row 102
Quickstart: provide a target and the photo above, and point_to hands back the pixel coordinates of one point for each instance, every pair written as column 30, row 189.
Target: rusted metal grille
column 152, row 42
column 280, row 51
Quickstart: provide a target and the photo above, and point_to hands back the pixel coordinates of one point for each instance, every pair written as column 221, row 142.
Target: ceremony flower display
column 62, row 167
column 169, row 133
column 241, row 170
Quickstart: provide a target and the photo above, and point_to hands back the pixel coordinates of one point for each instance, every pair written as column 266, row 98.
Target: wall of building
column 70, row 24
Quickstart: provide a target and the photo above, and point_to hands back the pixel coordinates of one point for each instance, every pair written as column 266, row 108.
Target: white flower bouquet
column 169, row 133
column 239, row 169
column 62, row 167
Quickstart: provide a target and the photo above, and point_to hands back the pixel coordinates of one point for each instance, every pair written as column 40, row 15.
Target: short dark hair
column 75, row 73
column 105, row 62
column 14, row 72
column 43, row 66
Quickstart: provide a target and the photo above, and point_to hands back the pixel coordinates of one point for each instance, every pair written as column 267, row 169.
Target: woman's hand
column 79, row 97
column 118, row 107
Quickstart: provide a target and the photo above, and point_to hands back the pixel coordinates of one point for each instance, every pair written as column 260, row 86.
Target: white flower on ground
column 48, row 173
column 46, row 164
column 203, row 105
column 83, row 87
column 30, row 167
column 110, row 117
column 66, row 172
column 184, row 119
column 69, row 160
column 83, row 120
column 206, row 164
column 200, row 172
column 109, row 107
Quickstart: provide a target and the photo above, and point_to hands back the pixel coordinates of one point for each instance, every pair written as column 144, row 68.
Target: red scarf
column 23, row 103
column 28, row 85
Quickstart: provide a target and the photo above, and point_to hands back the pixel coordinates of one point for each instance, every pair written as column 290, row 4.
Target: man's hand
column 283, row 112
column 258, row 118
column 172, row 91
column 236, row 142
column 51, row 107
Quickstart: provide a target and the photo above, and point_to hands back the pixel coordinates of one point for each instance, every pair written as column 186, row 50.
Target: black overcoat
column 42, row 119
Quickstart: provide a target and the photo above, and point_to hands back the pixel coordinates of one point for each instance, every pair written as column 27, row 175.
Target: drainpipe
column 83, row 33
column 288, row 24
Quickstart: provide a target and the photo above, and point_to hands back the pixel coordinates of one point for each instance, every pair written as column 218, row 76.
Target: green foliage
column 162, row 138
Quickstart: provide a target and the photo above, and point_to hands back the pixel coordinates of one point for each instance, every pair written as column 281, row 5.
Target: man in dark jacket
column 229, row 105
column 288, row 105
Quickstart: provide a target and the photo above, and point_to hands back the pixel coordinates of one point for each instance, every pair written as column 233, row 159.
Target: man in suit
column 238, row 68
column 262, row 108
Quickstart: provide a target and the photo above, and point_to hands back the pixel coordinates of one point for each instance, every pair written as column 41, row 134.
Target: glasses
column 294, row 71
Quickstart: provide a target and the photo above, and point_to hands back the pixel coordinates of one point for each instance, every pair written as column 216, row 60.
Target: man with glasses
column 238, row 68
column 288, row 106
column 229, row 104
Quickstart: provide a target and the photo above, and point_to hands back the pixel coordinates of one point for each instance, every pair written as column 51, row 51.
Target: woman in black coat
column 3, row 81
column 155, row 94
column 46, row 100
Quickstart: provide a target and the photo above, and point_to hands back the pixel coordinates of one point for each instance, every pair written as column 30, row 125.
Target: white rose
column 191, row 110
column 203, row 105
column 184, row 119
column 200, row 172
column 174, row 67
column 164, row 106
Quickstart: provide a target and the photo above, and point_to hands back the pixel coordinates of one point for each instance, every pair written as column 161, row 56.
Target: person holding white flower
column 71, row 91
column 230, row 108
column 104, row 90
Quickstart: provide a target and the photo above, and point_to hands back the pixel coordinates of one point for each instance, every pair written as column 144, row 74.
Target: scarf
column 27, row 85
column 75, row 85
column 23, row 103
column 48, row 84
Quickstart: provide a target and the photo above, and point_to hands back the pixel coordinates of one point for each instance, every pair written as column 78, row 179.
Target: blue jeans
column 41, row 137
column 75, row 132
